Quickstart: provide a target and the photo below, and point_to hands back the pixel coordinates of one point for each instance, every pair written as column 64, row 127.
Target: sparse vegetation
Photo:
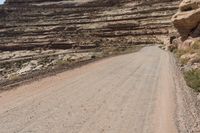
column 62, row 62
column 195, row 48
column 192, row 78
column 120, row 50
column 184, row 61
column 19, row 69
column 14, row 77
column 180, row 52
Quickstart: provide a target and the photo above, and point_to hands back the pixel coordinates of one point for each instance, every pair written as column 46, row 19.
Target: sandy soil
column 133, row 93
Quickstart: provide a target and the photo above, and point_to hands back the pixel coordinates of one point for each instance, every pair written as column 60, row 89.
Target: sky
column 2, row 1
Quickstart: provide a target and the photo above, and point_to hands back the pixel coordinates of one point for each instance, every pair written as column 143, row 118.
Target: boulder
column 187, row 19
column 187, row 43
column 187, row 5
column 25, row 69
column 176, row 42
column 189, row 56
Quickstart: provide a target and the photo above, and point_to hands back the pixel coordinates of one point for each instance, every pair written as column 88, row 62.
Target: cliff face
column 55, row 23
column 48, row 27
column 187, row 19
column 187, row 23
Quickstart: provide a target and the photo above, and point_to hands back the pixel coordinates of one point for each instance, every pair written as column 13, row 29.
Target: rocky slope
column 187, row 44
column 187, row 19
column 187, row 23
column 35, row 32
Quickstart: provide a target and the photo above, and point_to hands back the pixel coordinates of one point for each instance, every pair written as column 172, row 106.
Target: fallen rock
column 25, row 69
column 186, row 44
column 196, row 66
column 38, row 67
column 66, row 57
column 176, row 42
column 189, row 56
column 34, row 63
column 187, row 5
column 28, row 67
column 187, row 18
column 195, row 60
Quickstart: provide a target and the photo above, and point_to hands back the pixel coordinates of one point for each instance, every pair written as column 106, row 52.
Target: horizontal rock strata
column 61, row 24
column 47, row 31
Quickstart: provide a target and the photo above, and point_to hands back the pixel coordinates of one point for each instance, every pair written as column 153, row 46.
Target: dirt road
column 131, row 93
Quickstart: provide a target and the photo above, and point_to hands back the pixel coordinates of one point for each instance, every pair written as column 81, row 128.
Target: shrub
column 192, row 78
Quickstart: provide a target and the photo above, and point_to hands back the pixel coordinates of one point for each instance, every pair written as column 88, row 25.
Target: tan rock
column 187, row 5
column 176, row 41
column 196, row 66
column 25, row 69
column 189, row 56
column 186, row 44
column 187, row 18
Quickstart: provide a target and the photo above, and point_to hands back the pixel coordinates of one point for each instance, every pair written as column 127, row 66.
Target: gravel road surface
column 132, row 93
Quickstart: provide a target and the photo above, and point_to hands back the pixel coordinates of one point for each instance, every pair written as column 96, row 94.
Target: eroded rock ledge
column 187, row 19
column 187, row 23
column 35, row 24
column 56, row 28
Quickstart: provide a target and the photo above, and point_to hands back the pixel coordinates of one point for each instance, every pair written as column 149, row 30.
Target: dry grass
column 194, row 49
column 192, row 77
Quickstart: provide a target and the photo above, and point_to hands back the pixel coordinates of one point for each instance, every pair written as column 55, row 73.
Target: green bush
column 192, row 78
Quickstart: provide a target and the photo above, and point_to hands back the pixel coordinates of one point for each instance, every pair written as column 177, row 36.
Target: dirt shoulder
column 60, row 65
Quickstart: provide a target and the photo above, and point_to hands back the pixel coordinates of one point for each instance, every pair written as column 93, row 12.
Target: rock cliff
column 59, row 24
column 187, row 23
column 187, row 19
column 35, row 29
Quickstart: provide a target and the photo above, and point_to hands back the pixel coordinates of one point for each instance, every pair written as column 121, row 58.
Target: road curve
column 131, row 93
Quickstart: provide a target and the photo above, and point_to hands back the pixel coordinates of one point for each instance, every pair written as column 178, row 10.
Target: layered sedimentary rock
column 67, row 24
column 50, row 27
